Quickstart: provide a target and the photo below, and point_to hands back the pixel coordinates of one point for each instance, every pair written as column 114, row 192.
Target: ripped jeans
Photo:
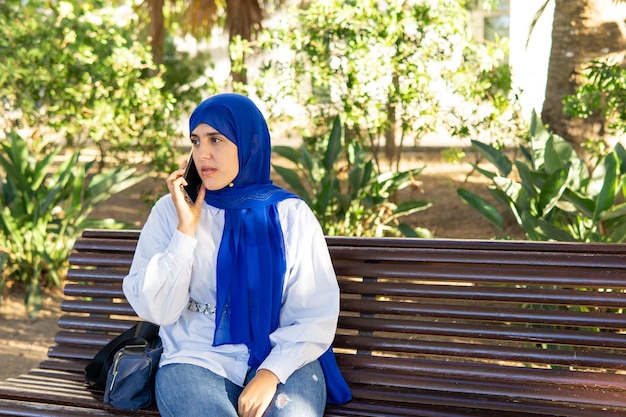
column 184, row 390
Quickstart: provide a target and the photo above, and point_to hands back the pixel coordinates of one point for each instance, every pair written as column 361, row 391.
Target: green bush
column 602, row 92
column 45, row 204
column 81, row 72
column 552, row 193
column 345, row 192
column 394, row 71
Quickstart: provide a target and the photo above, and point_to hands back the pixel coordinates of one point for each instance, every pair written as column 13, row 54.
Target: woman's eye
column 195, row 142
column 216, row 139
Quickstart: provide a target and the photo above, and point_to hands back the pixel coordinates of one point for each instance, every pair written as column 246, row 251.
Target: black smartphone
column 193, row 180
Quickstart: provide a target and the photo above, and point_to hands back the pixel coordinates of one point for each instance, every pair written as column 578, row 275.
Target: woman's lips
column 208, row 171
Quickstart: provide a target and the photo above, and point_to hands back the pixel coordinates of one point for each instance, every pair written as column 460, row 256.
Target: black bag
column 125, row 368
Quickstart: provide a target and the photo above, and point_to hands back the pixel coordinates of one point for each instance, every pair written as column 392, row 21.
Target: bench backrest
column 423, row 320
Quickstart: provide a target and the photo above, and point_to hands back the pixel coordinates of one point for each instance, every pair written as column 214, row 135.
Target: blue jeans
column 184, row 390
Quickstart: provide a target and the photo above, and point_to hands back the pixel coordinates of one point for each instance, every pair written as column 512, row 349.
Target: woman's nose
column 204, row 150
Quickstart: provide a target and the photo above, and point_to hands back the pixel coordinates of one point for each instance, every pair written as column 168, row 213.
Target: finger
column 175, row 181
column 183, row 162
column 174, row 175
column 200, row 198
column 174, row 184
column 243, row 408
column 188, row 199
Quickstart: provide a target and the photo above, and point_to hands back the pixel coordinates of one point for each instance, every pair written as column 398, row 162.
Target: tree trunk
column 243, row 18
column 582, row 31
column 391, row 147
column 157, row 30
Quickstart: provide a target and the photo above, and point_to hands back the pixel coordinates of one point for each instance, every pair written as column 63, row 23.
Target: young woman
column 240, row 281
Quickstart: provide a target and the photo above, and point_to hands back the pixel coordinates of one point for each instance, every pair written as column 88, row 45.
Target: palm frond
column 536, row 18
column 201, row 16
column 243, row 18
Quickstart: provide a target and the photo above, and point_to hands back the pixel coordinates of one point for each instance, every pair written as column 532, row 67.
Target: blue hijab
column 251, row 261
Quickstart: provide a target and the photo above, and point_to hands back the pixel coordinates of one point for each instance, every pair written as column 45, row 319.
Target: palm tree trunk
column 243, row 18
column 157, row 30
column 582, row 30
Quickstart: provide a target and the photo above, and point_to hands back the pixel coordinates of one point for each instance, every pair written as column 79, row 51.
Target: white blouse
column 170, row 268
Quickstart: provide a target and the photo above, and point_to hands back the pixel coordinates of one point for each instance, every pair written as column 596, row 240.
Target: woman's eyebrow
column 211, row 133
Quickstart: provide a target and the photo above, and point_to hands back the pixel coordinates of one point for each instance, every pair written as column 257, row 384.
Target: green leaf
column 78, row 187
column 104, row 224
column 489, row 174
column 552, row 190
column 558, row 153
column 393, row 181
column 105, row 184
column 482, row 206
column 512, row 195
column 618, row 233
column 528, row 180
column 43, row 168
column 15, row 165
column 292, row 178
column 407, row 230
column 530, row 226
column 606, row 196
column 409, row 207
column 614, row 212
column 417, row 232
column 324, row 197
column 311, row 168
column 287, row 152
column 620, row 152
column 585, row 205
column 553, row 233
column 526, row 154
column 334, row 145
column 539, row 136
column 499, row 196
column 367, row 174
column 493, row 155
column 509, row 187
column 355, row 179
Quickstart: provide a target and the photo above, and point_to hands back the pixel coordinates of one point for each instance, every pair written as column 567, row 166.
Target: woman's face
column 215, row 157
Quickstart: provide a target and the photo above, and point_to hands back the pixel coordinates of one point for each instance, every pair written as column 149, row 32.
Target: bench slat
column 485, row 314
column 24, row 407
column 482, row 332
column 94, row 324
column 97, row 307
column 482, row 274
column 476, row 351
column 502, row 293
column 357, row 244
column 95, row 275
column 110, row 290
column 525, row 257
column 482, row 371
column 425, row 404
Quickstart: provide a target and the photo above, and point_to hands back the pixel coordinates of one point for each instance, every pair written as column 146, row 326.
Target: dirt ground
column 24, row 343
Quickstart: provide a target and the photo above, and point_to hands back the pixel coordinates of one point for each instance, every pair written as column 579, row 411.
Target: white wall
column 529, row 56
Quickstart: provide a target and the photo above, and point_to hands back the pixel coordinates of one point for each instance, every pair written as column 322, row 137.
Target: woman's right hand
column 188, row 212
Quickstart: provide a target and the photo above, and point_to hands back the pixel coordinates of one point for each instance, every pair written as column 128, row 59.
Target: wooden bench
column 437, row 328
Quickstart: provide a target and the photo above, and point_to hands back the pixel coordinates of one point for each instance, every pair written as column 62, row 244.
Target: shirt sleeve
column 308, row 318
column 157, row 286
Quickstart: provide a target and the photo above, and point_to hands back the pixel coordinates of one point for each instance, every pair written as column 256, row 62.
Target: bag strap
column 142, row 332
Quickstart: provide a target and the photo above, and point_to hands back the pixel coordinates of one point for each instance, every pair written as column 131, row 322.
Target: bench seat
column 428, row 327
